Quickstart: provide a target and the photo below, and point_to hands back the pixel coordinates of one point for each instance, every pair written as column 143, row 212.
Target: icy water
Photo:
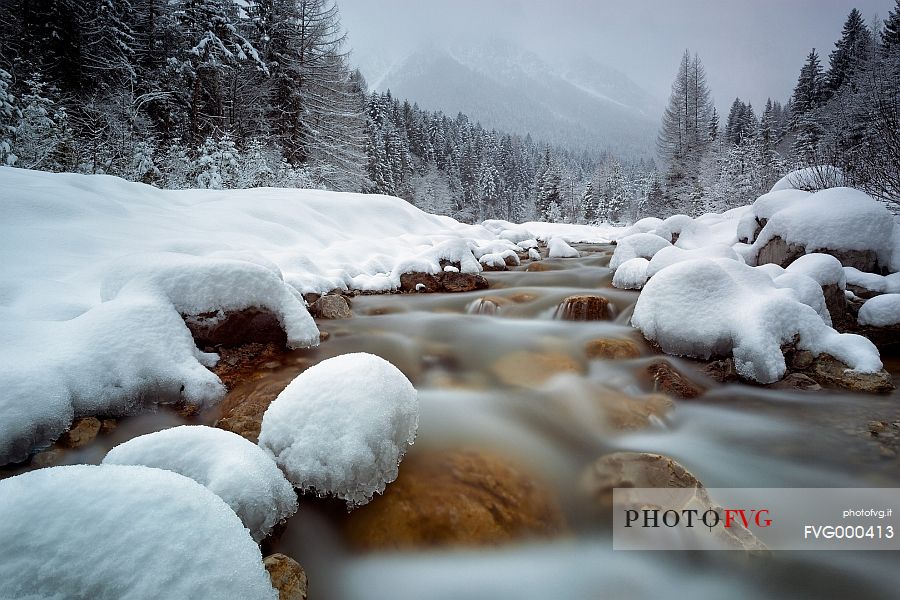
column 478, row 390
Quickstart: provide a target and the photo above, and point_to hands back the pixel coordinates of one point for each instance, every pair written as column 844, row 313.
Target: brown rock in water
column 796, row 381
column 836, row 303
column 82, row 432
column 287, row 576
column 830, row 372
column 462, row 282
column 523, row 297
column 235, row 328
column 668, row 380
column 537, row 267
column 489, row 305
column 722, row 371
column 584, row 308
column 409, row 282
column 47, row 458
column 237, row 365
column 645, row 470
column 531, row 369
column 611, row 349
column 332, row 306
column 456, row 498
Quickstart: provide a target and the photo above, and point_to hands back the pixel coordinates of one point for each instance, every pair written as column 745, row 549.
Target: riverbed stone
column 489, row 305
column 419, row 282
column 830, row 372
column 456, row 498
column 669, row 380
column 796, row 381
column 462, row 282
column 537, row 267
column 523, row 297
column 287, row 576
column 778, row 251
column 531, row 369
column 234, row 328
column 83, row 432
column 611, row 349
column 331, row 306
column 584, row 308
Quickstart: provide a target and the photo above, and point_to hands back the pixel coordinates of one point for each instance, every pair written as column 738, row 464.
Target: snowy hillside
column 580, row 104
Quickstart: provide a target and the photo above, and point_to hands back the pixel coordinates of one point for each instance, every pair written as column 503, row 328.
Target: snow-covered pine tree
column 589, row 203
column 890, row 32
column 684, row 134
column 849, row 54
column 10, row 116
column 808, row 96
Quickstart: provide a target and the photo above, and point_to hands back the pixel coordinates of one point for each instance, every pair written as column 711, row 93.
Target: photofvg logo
column 754, row 519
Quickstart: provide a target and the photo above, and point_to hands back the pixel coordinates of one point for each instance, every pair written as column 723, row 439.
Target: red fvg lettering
column 755, row 517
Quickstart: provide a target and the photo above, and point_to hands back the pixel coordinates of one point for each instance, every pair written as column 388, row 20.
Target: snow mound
column 834, row 219
column 881, row 311
column 236, row 470
column 638, row 245
column 811, row 179
column 762, row 209
column 560, row 249
column 673, row 227
column 516, row 236
column 823, row 268
column 343, row 426
column 193, row 285
column 533, row 254
column 631, row 274
column 109, row 532
column 673, row 254
column 719, row 307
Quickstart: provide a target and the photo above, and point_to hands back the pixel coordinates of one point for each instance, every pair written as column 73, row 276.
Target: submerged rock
column 489, row 305
column 532, row 369
column 668, row 380
column 456, row 498
column 831, row 372
column 611, row 349
column 584, row 308
column 288, row 577
column 82, row 433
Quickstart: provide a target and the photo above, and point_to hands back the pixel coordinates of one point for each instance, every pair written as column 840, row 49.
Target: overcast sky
column 751, row 48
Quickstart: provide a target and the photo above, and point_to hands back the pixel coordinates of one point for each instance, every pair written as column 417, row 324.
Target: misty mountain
column 581, row 104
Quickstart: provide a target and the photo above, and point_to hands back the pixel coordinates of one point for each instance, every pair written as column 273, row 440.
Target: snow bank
column 236, row 470
column 881, row 311
column 834, row 219
column 811, row 179
column 638, row 245
column 110, row 532
column 97, row 272
column 631, row 274
column 560, row 249
column 720, row 307
column 342, row 426
column 571, row 233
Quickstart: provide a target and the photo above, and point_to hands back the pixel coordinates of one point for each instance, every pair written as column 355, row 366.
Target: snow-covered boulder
column 109, row 532
column 844, row 222
column 811, row 179
column 823, row 268
column 673, row 227
column 560, row 249
column 515, row 236
column 236, row 470
column 638, row 245
column 631, row 274
column 673, row 254
column 881, row 311
column 343, row 426
column 872, row 282
column 720, row 307
column 751, row 221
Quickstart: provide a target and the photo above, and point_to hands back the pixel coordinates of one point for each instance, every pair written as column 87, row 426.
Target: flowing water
column 479, row 387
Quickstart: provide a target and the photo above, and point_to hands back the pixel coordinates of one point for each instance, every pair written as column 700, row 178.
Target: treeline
column 181, row 93
column 847, row 116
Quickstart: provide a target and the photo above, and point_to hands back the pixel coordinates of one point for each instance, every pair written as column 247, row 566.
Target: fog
column 751, row 49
